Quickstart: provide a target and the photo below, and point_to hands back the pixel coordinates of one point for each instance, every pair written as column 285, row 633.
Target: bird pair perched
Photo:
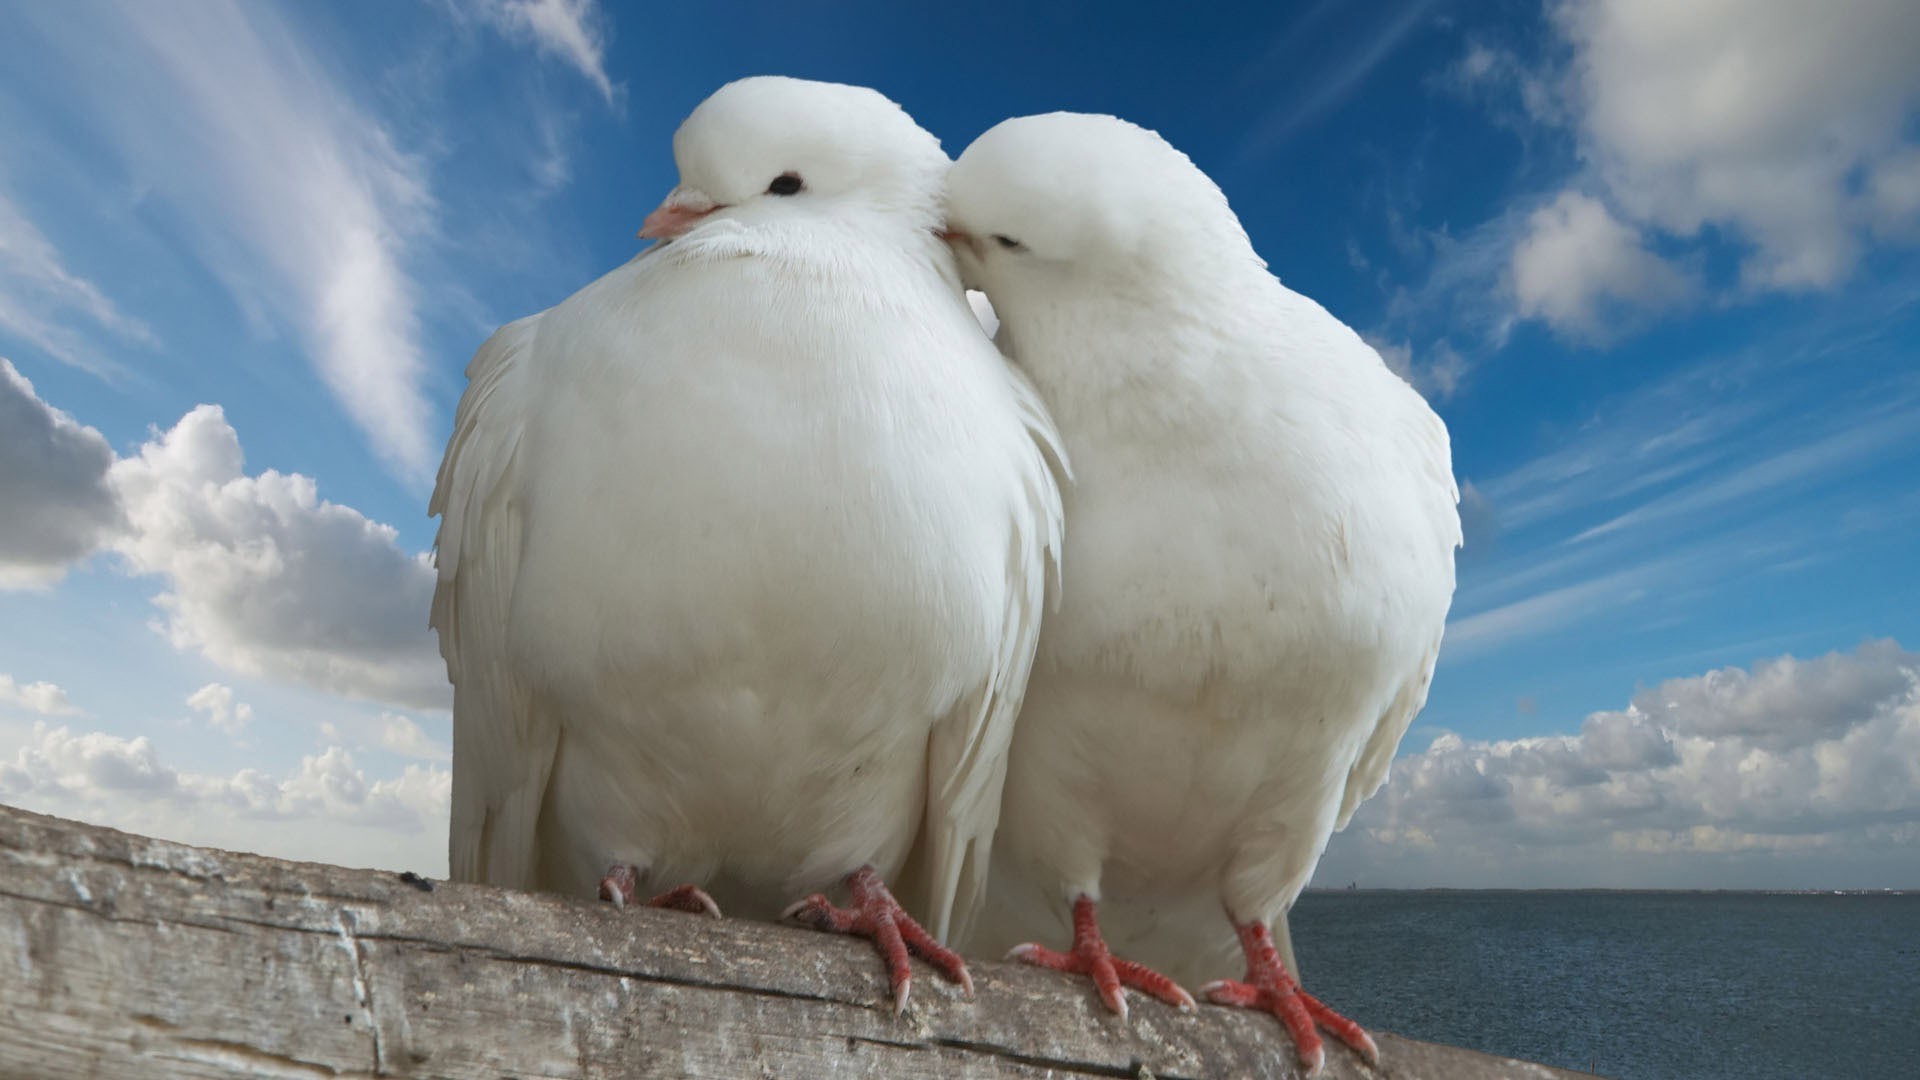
column 746, row 551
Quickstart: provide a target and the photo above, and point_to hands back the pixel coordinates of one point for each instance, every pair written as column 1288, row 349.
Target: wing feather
column 967, row 753
column 502, row 747
column 1429, row 445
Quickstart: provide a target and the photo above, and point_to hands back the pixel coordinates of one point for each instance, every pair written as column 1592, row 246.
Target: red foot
column 877, row 916
column 1091, row 957
column 1270, row 989
column 622, row 880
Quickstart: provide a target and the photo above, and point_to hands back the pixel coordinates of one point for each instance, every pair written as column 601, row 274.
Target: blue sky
column 1658, row 271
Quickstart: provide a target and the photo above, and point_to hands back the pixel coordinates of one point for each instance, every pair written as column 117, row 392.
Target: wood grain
column 123, row 956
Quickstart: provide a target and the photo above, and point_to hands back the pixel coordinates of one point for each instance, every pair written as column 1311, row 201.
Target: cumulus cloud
column 265, row 578
column 403, row 736
column 37, row 289
column 53, row 484
column 1810, row 758
column 574, row 31
column 44, row 698
column 1576, row 262
column 327, row 808
column 1772, row 117
column 1781, row 128
column 223, row 713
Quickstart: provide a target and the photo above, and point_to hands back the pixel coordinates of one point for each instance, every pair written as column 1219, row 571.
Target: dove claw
column 688, row 898
column 1091, row 957
column 877, row 916
column 622, row 883
column 618, row 885
column 1269, row 988
column 818, row 912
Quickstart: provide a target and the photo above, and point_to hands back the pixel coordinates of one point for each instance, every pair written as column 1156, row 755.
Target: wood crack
column 469, row 982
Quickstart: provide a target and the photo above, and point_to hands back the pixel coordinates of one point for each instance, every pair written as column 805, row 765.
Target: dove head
column 1041, row 203
column 768, row 148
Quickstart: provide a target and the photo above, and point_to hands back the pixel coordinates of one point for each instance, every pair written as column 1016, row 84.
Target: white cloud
column 1471, row 634
column 263, row 576
column 1466, row 294
column 1813, row 759
column 1488, row 71
column 572, row 30
column 327, row 809
column 1854, row 446
column 267, row 579
column 292, row 195
column 1577, row 262
column 53, row 486
column 1894, row 189
column 331, row 786
column 403, row 736
column 1331, row 83
column 1781, row 128
column 1437, row 376
column 1783, row 122
column 223, row 712
column 44, row 698
column 57, row 760
column 36, row 288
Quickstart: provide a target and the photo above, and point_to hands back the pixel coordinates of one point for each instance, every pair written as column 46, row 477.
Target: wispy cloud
column 1437, row 373
column 1550, row 609
column 1742, row 462
column 36, row 288
column 1332, row 84
column 574, row 31
column 1774, row 475
column 291, row 194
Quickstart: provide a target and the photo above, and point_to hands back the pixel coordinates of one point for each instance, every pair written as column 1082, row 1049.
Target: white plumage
column 1259, row 560
column 744, row 546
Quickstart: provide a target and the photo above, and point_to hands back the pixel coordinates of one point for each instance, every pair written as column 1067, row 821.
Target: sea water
column 1635, row 985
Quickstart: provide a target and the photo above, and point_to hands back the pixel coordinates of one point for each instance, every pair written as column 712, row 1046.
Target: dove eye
column 785, row 184
column 1007, row 242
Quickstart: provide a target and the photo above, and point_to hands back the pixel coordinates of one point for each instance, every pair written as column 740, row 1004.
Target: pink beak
column 957, row 238
column 682, row 210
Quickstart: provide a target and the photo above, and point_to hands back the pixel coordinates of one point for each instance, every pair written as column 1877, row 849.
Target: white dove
column 1259, row 563
column 744, row 546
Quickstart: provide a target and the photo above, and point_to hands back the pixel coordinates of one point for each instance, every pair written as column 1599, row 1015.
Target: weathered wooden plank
column 126, row 956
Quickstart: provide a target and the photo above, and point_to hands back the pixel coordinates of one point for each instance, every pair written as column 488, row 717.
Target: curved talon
column 1269, row 988
column 877, row 916
column 1091, row 957
column 688, row 898
column 811, row 911
column 622, row 881
column 618, row 885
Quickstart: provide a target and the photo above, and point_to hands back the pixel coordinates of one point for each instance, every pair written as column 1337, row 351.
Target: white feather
column 744, row 545
column 1259, row 550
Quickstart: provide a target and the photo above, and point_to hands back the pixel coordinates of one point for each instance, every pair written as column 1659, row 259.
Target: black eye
column 1007, row 242
column 785, row 184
